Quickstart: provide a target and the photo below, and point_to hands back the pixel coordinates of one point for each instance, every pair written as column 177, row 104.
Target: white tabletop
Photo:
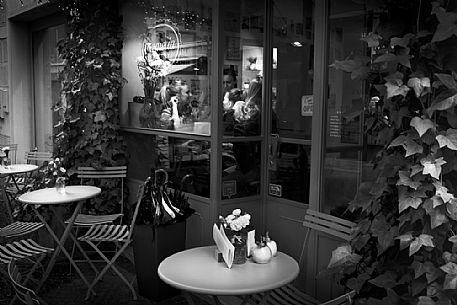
column 197, row 270
column 52, row 196
column 17, row 169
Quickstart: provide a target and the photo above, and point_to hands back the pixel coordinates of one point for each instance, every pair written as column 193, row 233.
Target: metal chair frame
column 38, row 157
column 121, row 235
column 24, row 294
column 291, row 295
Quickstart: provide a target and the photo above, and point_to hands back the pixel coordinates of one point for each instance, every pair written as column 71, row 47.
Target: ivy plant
column 404, row 248
column 88, row 132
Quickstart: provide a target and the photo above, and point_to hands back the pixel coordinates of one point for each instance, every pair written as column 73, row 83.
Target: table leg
column 60, row 245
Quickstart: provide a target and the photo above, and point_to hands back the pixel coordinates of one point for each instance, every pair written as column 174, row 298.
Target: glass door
column 291, row 100
column 46, row 67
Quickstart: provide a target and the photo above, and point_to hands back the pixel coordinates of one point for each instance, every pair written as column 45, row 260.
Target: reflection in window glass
column 348, row 150
column 243, row 64
column 186, row 162
column 174, row 46
column 240, row 169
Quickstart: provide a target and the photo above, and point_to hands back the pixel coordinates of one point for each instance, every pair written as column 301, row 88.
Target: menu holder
column 223, row 244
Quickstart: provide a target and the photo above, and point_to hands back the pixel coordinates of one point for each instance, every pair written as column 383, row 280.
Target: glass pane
column 240, row 169
column 292, row 99
column 243, row 64
column 348, row 150
column 186, row 162
column 168, row 66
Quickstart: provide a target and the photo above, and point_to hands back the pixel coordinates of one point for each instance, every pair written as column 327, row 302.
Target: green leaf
column 404, row 179
column 405, row 240
column 393, row 89
column 447, row 26
column 445, row 104
column 385, row 280
column 406, row 200
column 437, row 218
column 449, row 140
column 372, row 39
column 424, row 300
column 408, row 144
column 358, row 282
column 432, row 167
column 422, row 240
column 447, row 80
column 419, row 84
column 442, row 192
column 422, row 125
column 343, row 255
column 451, row 208
column 450, row 280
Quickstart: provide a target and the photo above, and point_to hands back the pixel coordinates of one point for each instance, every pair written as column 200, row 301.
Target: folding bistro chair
column 25, row 295
column 121, row 235
column 38, row 157
column 291, row 295
column 88, row 175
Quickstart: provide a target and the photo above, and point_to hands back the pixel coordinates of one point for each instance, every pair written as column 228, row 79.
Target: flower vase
column 239, row 241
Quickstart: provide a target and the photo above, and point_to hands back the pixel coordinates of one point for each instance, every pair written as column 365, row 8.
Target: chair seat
column 106, row 233
column 20, row 250
column 19, row 228
column 90, row 220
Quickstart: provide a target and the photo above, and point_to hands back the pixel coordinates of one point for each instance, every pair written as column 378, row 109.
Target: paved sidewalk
column 63, row 288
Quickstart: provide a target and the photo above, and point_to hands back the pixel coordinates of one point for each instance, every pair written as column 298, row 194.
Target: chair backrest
column 38, row 157
column 110, row 172
column 24, row 294
column 12, row 152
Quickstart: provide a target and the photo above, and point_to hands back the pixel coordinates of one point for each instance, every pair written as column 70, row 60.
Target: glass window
column 292, row 99
column 242, row 103
column 169, row 56
column 348, row 150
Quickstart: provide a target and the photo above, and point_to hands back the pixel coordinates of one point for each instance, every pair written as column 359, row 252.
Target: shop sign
column 275, row 190
column 229, row 188
column 164, row 40
column 307, row 105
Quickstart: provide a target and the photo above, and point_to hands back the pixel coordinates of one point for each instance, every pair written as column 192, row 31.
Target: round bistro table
column 196, row 270
column 52, row 198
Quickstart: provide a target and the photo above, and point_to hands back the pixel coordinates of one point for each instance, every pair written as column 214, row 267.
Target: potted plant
column 404, row 250
column 160, row 231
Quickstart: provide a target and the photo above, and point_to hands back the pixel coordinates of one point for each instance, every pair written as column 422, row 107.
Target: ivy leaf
column 422, row 240
column 402, row 42
column 451, row 208
column 355, row 66
column 415, row 169
column 422, row 125
column 444, row 104
column 343, row 255
column 449, row 140
column 447, row 80
column 425, row 300
column 432, row 167
column 405, row 240
column 431, row 272
column 395, row 88
column 419, row 84
column 99, row 116
column 447, row 26
column 442, row 192
column 407, row 199
column 408, row 144
column 405, row 180
column 450, row 281
column 357, row 283
column 437, row 218
column 385, row 280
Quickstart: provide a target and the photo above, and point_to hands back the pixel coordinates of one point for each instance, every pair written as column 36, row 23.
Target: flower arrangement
column 236, row 221
column 152, row 66
column 49, row 174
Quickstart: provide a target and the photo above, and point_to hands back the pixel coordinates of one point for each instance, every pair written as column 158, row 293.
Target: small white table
column 197, row 270
column 52, row 198
column 11, row 171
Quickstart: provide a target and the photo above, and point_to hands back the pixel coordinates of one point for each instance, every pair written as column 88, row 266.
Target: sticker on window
column 275, row 190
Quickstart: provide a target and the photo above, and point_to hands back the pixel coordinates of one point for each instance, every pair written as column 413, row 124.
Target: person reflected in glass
column 247, row 113
column 234, row 95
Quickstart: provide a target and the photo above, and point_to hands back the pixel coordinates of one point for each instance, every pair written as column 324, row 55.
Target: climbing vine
column 88, row 132
column 404, row 250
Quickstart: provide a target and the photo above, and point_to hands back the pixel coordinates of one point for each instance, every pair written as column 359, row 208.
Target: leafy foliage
column 88, row 133
column 405, row 241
